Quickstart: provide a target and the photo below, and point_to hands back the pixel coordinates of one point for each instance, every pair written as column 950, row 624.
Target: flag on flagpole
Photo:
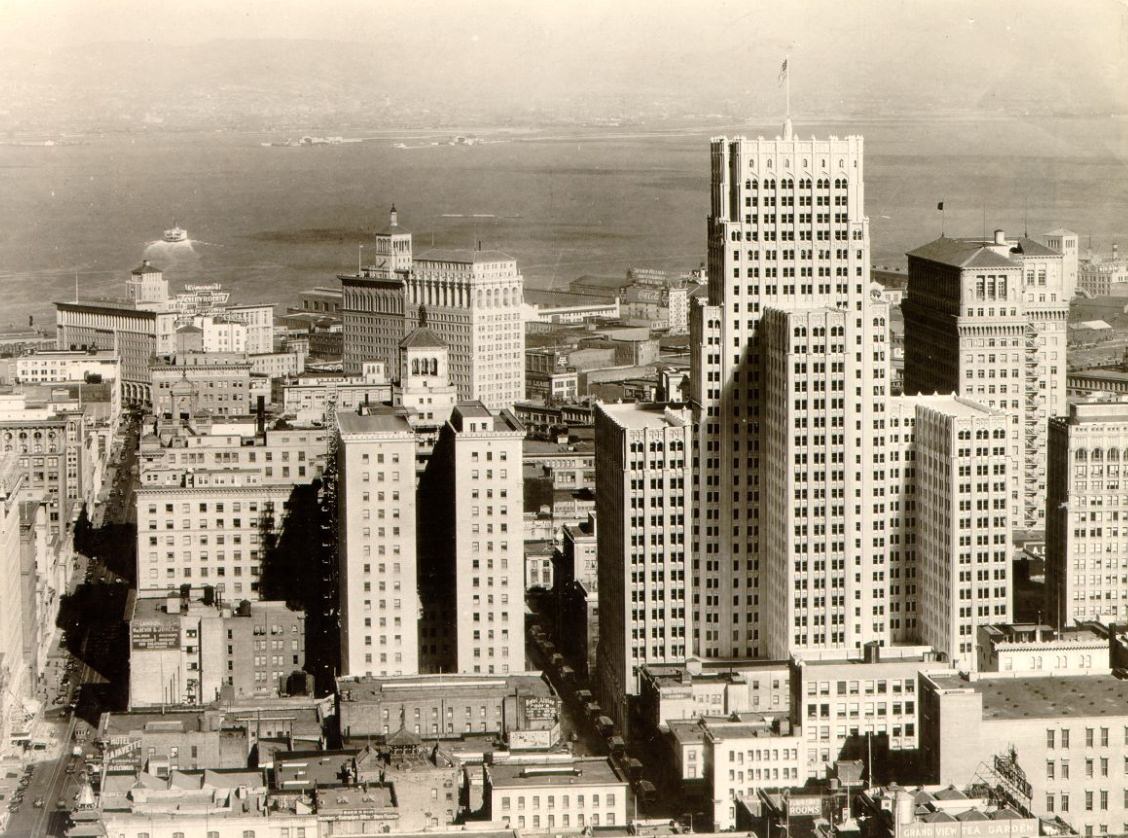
column 783, row 71
column 940, row 206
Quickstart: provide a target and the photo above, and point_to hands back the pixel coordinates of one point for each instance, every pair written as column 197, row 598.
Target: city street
column 88, row 664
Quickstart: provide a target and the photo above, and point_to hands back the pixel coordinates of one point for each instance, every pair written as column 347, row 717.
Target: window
column 1049, row 738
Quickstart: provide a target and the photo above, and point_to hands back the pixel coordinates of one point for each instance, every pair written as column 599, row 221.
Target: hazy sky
column 841, row 48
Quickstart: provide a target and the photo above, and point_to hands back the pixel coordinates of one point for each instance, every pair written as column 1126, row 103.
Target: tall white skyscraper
column 787, row 231
column 377, row 567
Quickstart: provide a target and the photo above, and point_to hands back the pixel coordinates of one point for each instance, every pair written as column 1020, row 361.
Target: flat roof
column 951, row 405
column 465, row 257
column 382, row 420
column 417, row 687
column 597, row 771
column 637, row 416
column 1047, row 697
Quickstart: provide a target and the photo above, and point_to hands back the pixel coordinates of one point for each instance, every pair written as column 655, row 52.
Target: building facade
column 377, row 568
column 787, row 230
column 194, row 651
column 471, row 551
column 1086, row 555
column 987, row 319
column 644, row 478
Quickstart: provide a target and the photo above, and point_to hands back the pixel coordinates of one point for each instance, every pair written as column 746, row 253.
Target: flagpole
column 787, row 84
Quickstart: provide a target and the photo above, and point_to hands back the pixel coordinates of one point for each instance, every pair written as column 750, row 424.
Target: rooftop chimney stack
column 1000, row 237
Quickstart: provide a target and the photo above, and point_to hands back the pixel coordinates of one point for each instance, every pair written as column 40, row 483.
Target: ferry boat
column 176, row 234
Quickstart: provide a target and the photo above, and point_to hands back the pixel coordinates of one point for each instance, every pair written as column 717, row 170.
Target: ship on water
column 175, row 234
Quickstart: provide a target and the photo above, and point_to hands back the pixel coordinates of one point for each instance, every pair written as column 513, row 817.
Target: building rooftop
column 1077, row 696
column 577, row 772
column 383, row 420
column 638, row 416
column 463, row 257
column 414, row 687
column 1034, row 633
column 422, row 336
column 721, row 671
column 962, row 253
column 951, row 405
column 366, row 796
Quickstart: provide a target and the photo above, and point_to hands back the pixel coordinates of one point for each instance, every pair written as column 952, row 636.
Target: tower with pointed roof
column 147, row 287
column 423, row 384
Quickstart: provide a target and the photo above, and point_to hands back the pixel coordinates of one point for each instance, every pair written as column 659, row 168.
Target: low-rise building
column 556, row 796
column 194, row 650
column 744, row 755
column 186, row 384
column 522, row 708
column 1058, row 744
column 840, row 701
column 939, row 811
column 698, row 688
column 1026, row 649
column 313, row 398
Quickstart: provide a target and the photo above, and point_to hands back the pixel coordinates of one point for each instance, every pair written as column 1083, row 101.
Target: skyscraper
column 1085, row 554
column 471, row 546
column 471, row 299
column 986, row 318
column 377, row 573
column 644, row 474
column 787, row 231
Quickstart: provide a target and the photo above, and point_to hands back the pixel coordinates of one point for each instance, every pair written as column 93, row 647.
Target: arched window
column 415, row 366
column 1081, row 455
column 434, row 366
column 1097, row 454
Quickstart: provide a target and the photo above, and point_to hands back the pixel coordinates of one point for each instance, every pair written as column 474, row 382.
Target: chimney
column 1000, row 237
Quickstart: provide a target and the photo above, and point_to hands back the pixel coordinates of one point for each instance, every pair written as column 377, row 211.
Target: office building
column 1029, row 649
column 842, row 701
column 188, row 383
column 1065, row 242
column 787, row 231
column 17, row 674
column 644, row 478
column 986, row 319
column 423, row 386
column 192, row 649
column 1067, row 737
column 148, row 321
column 698, row 688
column 377, row 569
column 211, row 497
column 471, row 549
column 470, row 299
column 1103, row 276
column 1086, row 553
column 962, row 572
column 47, row 431
column 744, row 755
column 521, row 708
column 822, row 481
column 547, row 796
column 315, row 398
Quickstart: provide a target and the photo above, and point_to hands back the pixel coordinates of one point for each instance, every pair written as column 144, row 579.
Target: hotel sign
column 155, row 637
column 804, row 807
column 540, row 708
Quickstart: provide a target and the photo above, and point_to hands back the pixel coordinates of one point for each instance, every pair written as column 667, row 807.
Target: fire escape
column 1035, row 401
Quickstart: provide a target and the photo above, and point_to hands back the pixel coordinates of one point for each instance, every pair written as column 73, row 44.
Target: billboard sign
column 154, row 637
